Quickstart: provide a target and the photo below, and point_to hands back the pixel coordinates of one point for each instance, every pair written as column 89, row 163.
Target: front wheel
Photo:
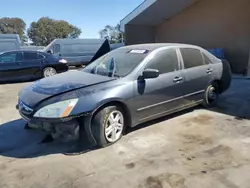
column 211, row 95
column 108, row 125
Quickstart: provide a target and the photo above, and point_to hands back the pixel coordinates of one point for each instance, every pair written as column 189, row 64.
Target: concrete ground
column 192, row 149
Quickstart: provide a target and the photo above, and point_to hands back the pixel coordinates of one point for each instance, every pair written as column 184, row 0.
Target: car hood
column 61, row 83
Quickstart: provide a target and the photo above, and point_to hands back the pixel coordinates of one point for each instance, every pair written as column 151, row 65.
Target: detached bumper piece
column 63, row 131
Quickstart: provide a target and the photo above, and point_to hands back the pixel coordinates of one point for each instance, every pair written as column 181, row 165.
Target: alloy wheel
column 114, row 126
column 212, row 95
column 49, row 71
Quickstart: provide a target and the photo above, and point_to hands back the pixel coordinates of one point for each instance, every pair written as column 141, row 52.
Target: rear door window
column 165, row 61
column 191, row 57
column 29, row 56
column 11, row 57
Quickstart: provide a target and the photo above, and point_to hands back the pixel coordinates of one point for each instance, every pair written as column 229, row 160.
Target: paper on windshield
column 138, row 51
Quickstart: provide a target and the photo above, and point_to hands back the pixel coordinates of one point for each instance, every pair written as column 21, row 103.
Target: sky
column 89, row 15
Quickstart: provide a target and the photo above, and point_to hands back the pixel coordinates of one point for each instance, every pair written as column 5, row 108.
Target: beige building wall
column 135, row 34
column 211, row 24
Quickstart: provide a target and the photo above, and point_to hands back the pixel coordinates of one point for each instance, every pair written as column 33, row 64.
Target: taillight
column 62, row 61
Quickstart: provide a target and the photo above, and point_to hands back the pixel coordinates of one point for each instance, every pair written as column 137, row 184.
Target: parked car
column 124, row 88
column 9, row 42
column 26, row 65
column 78, row 52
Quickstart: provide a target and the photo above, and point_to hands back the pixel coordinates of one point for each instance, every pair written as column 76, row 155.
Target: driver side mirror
column 150, row 73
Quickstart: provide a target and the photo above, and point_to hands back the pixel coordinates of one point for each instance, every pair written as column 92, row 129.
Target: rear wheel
column 49, row 71
column 108, row 125
column 211, row 95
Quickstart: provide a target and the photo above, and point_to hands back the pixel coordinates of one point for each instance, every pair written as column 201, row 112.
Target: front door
column 9, row 66
column 197, row 73
column 158, row 96
column 31, row 65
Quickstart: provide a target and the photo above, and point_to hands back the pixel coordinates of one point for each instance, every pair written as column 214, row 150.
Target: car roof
column 154, row 46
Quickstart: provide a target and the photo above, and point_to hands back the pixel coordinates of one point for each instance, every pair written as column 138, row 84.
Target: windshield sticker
column 138, row 51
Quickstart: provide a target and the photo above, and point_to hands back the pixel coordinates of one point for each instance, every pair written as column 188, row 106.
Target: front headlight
column 57, row 110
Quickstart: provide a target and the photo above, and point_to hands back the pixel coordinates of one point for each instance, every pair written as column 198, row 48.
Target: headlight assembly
column 57, row 110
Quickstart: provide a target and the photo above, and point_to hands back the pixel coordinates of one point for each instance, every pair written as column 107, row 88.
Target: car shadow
column 239, row 111
column 17, row 142
column 236, row 100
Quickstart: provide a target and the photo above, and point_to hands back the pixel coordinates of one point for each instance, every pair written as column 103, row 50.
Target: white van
column 78, row 52
column 9, row 42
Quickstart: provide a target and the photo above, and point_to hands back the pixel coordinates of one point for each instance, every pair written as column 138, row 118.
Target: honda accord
column 124, row 88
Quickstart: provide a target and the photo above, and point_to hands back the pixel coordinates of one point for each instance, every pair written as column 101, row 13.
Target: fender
column 85, row 121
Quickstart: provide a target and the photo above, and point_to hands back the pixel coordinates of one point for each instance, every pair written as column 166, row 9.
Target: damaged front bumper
column 65, row 129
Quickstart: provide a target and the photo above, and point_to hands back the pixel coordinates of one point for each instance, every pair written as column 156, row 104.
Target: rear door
column 9, row 66
column 197, row 73
column 31, row 64
column 157, row 96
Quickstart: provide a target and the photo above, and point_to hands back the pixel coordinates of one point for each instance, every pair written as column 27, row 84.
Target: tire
column 104, row 131
column 48, row 72
column 226, row 77
column 211, row 95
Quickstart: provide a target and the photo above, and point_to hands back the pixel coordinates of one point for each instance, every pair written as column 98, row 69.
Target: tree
column 45, row 30
column 113, row 34
column 13, row 26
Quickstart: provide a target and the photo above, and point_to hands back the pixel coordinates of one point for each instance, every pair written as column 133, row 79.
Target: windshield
column 117, row 63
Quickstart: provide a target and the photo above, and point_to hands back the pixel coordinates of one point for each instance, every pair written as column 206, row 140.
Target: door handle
column 177, row 79
column 209, row 70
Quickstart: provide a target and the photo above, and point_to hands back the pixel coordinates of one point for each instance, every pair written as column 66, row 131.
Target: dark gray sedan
column 124, row 88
